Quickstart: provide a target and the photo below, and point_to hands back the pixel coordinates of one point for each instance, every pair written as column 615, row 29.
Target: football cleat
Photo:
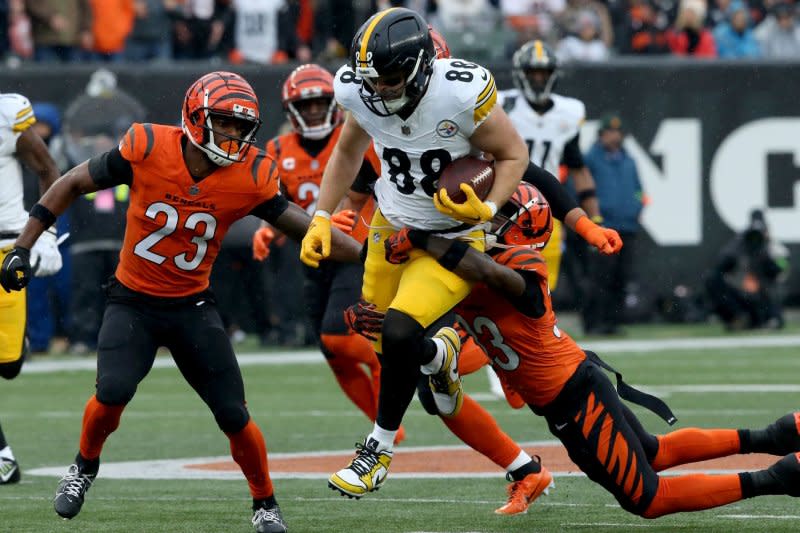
column 365, row 473
column 71, row 491
column 269, row 520
column 522, row 493
column 787, row 473
column 784, row 435
column 446, row 383
column 9, row 471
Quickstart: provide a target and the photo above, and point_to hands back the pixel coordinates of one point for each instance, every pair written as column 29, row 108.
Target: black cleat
column 269, row 520
column 787, row 473
column 71, row 491
column 784, row 435
column 9, row 471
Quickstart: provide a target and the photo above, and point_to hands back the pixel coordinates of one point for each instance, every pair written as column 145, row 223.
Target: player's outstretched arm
column 294, row 221
column 33, row 152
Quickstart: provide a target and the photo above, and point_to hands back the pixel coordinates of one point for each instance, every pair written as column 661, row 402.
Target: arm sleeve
column 531, row 301
column 573, row 157
column 271, row 209
column 110, row 169
column 560, row 201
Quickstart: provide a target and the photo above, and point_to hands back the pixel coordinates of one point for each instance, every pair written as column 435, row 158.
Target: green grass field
column 300, row 408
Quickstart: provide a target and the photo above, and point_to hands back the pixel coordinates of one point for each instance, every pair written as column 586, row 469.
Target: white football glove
column 45, row 257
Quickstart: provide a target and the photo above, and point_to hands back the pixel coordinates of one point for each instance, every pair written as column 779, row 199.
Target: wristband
column 597, row 219
column 586, row 194
column 453, row 255
column 492, row 207
column 44, row 215
column 322, row 213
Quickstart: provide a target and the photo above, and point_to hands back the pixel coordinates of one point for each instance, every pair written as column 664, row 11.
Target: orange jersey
column 532, row 354
column 175, row 225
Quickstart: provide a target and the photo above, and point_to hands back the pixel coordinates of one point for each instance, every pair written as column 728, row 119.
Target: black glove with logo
column 16, row 271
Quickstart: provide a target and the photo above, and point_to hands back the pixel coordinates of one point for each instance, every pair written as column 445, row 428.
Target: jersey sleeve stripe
column 256, row 165
column 486, row 101
column 148, row 131
column 24, row 111
column 19, row 127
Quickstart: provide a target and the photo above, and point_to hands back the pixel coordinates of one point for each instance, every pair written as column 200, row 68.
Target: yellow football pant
column 421, row 288
column 12, row 320
column 552, row 255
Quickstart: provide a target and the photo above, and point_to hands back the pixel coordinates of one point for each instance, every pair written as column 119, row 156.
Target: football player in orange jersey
column 301, row 156
column 188, row 185
column 509, row 311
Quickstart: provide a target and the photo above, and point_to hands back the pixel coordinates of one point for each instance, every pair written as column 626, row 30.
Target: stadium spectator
column 545, row 11
column 744, row 285
column 62, row 29
column 601, row 12
column 717, row 13
column 199, row 28
column 112, row 22
column 688, row 37
column 644, row 32
column 269, row 31
column 620, row 195
column 779, row 34
column 734, row 38
column 93, row 123
column 334, row 26
column 48, row 297
column 585, row 43
column 149, row 39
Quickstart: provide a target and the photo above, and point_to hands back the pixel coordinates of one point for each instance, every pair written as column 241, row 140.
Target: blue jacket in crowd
column 619, row 191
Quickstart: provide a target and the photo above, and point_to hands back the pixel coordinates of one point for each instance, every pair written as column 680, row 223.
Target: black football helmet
column 531, row 57
column 394, row 43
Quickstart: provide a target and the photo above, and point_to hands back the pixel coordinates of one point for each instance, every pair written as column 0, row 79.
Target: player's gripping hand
column 316, row 244
column 397, row 247
column 364, row 318
column 606, row 240
column 344, row 221
column 262, row 238
column 45, row 254
column 16, row 271
column 472, row 211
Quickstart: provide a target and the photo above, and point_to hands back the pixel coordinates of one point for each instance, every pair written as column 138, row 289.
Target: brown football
column 474, row 171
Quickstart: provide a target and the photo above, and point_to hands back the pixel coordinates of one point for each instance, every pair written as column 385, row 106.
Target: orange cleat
column 400, row 436
column 522, row 493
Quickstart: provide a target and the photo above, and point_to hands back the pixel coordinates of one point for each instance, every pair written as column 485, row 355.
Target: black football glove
column 16, row 271
column 364, row 318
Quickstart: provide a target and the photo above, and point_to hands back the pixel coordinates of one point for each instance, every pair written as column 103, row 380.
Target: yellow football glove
column 316, row 244
column 473, row 211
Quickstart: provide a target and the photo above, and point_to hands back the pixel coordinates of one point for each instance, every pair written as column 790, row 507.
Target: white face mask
column 393, row 106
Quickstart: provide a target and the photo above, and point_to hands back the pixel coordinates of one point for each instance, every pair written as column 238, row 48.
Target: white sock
column 436, row 363
column 7, row 453
column 521, row 460
column 384, row 437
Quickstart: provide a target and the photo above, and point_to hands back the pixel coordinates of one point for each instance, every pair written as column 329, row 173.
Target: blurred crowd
column 277, row 31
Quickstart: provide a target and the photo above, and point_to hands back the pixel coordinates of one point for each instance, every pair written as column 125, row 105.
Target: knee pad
column 231, row 417
column 115, row 390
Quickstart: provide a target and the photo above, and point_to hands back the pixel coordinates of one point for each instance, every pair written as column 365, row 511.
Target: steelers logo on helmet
column 307, row 98
column 221, row 98
column 534, row 71
column 525, row 220
column 393, row 54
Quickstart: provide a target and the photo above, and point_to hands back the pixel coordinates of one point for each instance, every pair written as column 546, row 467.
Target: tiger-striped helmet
column 525, row 220
column 439, row 44
column 308, row 82
column 222, row 94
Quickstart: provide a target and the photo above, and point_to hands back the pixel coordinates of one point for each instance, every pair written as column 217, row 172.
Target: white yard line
column 306, row 357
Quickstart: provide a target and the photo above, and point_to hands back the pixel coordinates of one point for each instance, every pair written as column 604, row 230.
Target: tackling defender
column 188, row 185
column 19, row 142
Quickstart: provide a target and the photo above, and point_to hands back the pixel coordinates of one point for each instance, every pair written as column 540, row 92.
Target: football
column 474, row 171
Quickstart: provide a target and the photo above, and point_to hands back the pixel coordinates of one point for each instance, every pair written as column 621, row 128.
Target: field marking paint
column 306, row 357
column 759, row 516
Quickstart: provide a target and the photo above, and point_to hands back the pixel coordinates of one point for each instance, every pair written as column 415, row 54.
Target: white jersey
column 548, row 134
column 413, row 152
column 257, row 29
column 16, row 116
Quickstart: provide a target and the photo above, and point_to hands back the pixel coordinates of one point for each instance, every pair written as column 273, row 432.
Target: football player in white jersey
column 550, row 124
column 422, row 113
column 19, row 142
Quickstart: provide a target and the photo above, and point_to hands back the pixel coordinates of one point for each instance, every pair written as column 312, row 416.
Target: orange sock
column 476, row 428
column 693, row 444
column 99, row 421
column 693, row 492
column 249, row 451
column 348, row 353
column 471, row 358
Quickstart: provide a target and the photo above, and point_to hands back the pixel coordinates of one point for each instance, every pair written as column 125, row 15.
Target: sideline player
column 421, row 113
column 19, row 142
column 511, row 314
column 188, row 185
